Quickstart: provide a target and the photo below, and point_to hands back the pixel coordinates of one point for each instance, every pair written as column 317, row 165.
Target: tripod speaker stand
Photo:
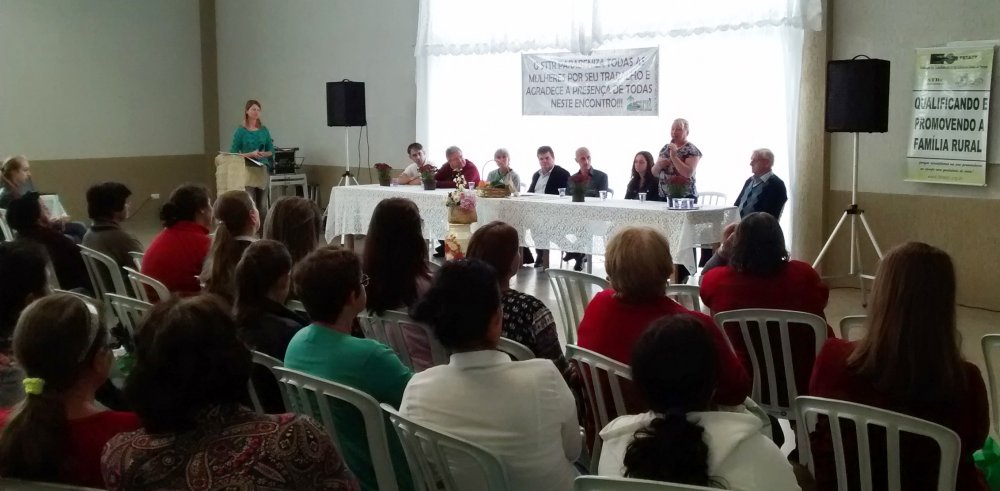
column 347, row 179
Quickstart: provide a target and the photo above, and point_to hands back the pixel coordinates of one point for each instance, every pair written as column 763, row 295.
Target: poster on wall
column 951, row 106
column 624, row 82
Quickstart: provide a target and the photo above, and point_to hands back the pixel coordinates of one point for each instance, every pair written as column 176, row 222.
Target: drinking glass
column 604, row 195
column 562, row 192
column 642, row 197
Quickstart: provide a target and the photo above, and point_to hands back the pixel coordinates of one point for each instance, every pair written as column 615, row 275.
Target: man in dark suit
column 549, row 178
column 763, row 191
column 597, row 181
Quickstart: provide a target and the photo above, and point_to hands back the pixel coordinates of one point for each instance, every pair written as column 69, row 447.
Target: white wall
column 892, row 30
column 100, row 78
column 284, row 53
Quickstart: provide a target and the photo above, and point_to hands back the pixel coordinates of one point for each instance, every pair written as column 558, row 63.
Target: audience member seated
column 107, row 205
column 238, row 224
column 684, row 438
column 30, row 222
column 58, row 432
column 503, row 171
column 910, row 362
column 521, row 412
column 643, row 180
column 25, row 261
column 639, row 264
column 190, row 373
column 763, row 191
column 177, row 253
column 395, row 257
column 720, row 255
column 15, row 181
column 263, row 280
column 761, row 276
column 295, row 222
column 330, row 284
column 547, row 180
column 525, row 318
column 597, row 181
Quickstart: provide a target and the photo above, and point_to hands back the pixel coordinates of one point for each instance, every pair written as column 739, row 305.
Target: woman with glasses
column 58, row 432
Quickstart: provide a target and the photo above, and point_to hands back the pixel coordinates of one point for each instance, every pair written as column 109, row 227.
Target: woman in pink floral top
column 191, row 372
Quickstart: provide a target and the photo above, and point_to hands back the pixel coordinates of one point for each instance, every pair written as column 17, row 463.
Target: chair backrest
column 429, row 453
column 765, row 371
column 296, row 389
column 130, row 311
column 8, row 234
column 296, row 306
column 19, row 485
column 270, row 363
column 140, row 282
column 573, row 291
column 605, row 483
column 687, row 295
column 864, row 417
column 50, row 272
column 100, row 269
column 137, row 259
column 517, row 351
column 603, row 379
column 412, row 341
column 852, row 327
column 712, row 198
column 991, row 349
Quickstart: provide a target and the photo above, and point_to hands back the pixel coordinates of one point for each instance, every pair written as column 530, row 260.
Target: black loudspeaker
column 857, row 96
column 345, row 104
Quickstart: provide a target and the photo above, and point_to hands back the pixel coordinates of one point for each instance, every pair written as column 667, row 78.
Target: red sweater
column 968, row 415
column 86, row 440
column 445, row 175
column 176, row 255
column 611, row 327
column 797, row 287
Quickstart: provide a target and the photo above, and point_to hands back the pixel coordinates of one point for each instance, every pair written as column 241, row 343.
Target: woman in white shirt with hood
column 683, row 439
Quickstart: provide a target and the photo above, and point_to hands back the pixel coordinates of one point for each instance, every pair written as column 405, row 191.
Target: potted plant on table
column 427, row 172
column 578, row 187
column 677, row 187
column 383, row 170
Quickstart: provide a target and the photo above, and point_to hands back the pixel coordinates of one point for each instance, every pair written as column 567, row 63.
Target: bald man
column 598, row 181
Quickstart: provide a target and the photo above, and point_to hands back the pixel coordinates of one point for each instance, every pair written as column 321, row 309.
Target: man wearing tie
column 763, row 191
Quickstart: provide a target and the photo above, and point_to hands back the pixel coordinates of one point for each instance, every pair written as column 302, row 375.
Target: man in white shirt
column 411, row 175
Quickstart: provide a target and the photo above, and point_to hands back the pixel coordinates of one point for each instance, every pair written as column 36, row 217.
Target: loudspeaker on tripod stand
column 345, row 104
column 857, row 96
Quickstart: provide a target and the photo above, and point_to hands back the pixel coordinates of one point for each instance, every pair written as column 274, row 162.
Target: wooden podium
column 232, row 173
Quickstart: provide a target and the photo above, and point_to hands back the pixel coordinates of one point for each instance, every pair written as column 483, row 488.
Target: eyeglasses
column 364, row 279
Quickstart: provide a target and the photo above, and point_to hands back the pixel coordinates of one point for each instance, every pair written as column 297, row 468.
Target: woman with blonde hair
column 15, row 179
column 910, row 362
column 295, row 222
column 238, row 223
column 639, row 265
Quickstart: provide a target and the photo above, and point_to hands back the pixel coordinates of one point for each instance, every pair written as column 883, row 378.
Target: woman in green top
column 252, row 140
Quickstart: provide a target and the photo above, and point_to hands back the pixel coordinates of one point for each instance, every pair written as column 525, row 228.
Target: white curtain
column 730, row 67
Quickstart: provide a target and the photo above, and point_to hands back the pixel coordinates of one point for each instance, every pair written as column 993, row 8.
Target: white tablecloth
column 545, row 221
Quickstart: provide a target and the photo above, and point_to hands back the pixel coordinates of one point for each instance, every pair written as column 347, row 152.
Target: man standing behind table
column 763, row 191
column 411, row 175
column 549, row 178
column 456, row 164
column 597, row 181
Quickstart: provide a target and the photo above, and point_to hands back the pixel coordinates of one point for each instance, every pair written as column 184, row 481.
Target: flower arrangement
column 578, row 186
column 499, row 187
column 427, row 172
column 461, row 203
column 678, row 186
column 383, row 170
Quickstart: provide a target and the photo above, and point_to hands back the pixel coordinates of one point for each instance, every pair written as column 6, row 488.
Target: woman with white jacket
column 682, row 439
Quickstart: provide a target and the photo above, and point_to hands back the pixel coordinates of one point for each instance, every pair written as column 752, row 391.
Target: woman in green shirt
column 252, row 140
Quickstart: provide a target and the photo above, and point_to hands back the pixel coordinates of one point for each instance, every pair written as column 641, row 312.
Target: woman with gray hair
column 503, row 171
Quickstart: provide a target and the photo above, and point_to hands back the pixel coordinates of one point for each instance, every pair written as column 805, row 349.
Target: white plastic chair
column 406, row 337
column 130, row 311
column 50, row 272
column 19, row 485
column 137, row 259
column 429, row 452
column 296, row 389
column 766, row 321
column 852, row 327
column 573, row 291
column 139, row 283
column 600, row 375
column 517, row 351
column 8, row 234
column 270, row 363
column 687, row 295
column 712, row 198
column 100, row 269
column 296, row 306
column 605, row 483
column 864, row 417
column 991, row 348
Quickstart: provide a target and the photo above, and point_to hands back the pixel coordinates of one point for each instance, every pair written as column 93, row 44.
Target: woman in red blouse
column 761, row 276
column 177, row 253
column 909, row 362
column 639, row 264
column 58, row 432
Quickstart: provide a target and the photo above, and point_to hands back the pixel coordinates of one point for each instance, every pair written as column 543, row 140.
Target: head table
column 542, row 220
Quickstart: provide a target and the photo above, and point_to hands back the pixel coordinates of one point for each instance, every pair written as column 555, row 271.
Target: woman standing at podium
column 253, row 140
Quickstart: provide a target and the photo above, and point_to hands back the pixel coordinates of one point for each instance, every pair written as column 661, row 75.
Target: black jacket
column 269, row 332
column 558, row 178
column 771, row 199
